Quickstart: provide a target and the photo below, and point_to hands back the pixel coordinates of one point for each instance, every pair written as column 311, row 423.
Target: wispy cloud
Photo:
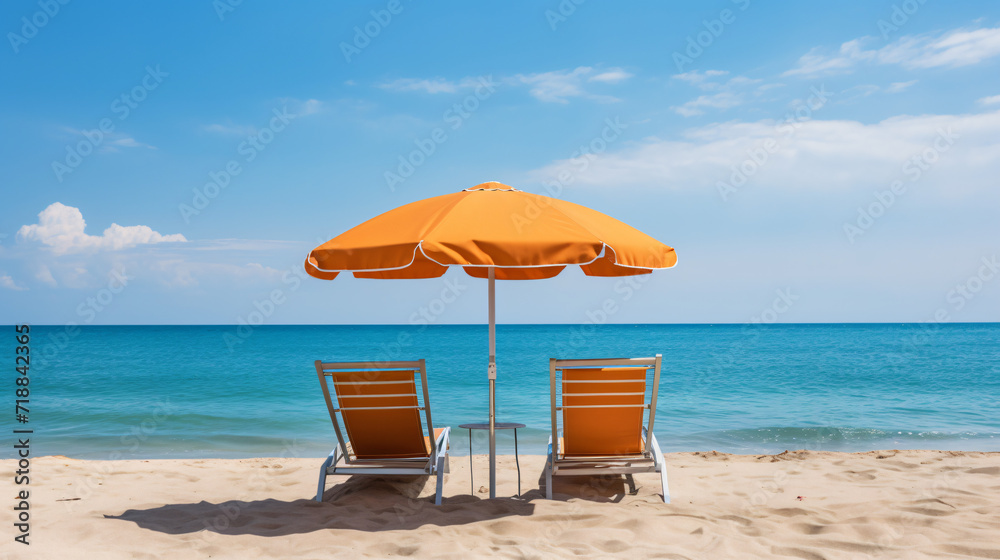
column 561, row 85
column 180, row 272
column 557, row 86
column 432, row 85
column 303, row 108
column 61, row 228
column 295, row 108
column 7, row 282
column 991, row 100
column 704, row 80
column 725, row 93
column 819, row 155
column 110, row 141
column 954, row 48
column 44, row 275
column 611, row 76
column 230, row 129
column 866, row 90
column 897, row 87
column 721, row 100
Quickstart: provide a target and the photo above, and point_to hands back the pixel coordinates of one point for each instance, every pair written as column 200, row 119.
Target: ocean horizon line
column 483, row 324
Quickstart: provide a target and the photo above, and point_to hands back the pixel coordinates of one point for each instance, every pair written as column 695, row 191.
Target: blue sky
column 821, row 163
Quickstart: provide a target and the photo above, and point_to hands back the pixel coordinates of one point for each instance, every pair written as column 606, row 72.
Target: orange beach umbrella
column 495, row 232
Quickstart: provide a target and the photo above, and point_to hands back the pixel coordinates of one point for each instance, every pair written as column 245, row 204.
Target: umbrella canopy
column 492, row 231
column 523, row 236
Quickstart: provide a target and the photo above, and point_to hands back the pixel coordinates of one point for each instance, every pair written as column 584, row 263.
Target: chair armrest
column 652, row 444
column 441, row 443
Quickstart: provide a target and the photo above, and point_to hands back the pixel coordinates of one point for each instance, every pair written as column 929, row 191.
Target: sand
column 801, row 504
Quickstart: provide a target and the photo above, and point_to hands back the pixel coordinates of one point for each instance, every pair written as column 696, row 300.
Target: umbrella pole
column 492, row 374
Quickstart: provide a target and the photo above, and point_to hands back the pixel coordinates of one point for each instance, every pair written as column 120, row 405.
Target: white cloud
column 551, row 87
column 612, row 76
column 301, row 107
column 818, row 155
column 992, row 100
column 44, row 275
column 179, row 272
column 433, row 85
column 560, row 85
column 701, row 79
column 109, row 142
column 308, row 107
column 62, row 227
column 727, row 93
column 127, row 142
column 294, row 108
column 855, row 92
column 866, row 90
column 722, row 100
column 8, row 282
column 897, row 87
column 815, row 62
column 954, row 48
column 230, row 129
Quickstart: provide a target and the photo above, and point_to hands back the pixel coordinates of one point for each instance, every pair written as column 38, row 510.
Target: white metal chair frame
column 435, row 464
column 651, row 458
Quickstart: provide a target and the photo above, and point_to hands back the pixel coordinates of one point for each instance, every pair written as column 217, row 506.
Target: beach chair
column 380, row 412
column 602, row 405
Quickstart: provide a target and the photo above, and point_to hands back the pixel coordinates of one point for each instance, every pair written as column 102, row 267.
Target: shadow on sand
column 370, row 504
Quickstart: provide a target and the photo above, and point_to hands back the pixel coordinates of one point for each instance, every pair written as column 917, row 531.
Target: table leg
column 518, row 465
column 472, row 485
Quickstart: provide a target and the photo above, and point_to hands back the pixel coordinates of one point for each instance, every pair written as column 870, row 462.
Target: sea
column 152, row 392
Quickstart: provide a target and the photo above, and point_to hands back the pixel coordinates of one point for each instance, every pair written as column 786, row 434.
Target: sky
column 173, row 163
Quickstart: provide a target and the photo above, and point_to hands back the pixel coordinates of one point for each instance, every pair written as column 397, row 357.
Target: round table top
column 496, row 426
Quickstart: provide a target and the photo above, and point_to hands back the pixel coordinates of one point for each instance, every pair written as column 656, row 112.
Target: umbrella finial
column 491, row 186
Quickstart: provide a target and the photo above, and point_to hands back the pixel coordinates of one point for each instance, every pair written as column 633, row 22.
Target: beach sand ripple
column 797, row 504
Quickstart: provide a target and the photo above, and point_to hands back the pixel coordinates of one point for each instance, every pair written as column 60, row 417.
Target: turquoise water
column 191, row 391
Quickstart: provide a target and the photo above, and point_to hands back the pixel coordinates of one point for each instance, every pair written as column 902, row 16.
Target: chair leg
column 548, row 473
column 663, row 481
column 441, row 466
column 661, row 467
column 330, row 460
column 630, row 480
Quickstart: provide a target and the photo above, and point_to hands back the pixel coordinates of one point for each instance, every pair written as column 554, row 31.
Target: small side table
column 497, row 426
